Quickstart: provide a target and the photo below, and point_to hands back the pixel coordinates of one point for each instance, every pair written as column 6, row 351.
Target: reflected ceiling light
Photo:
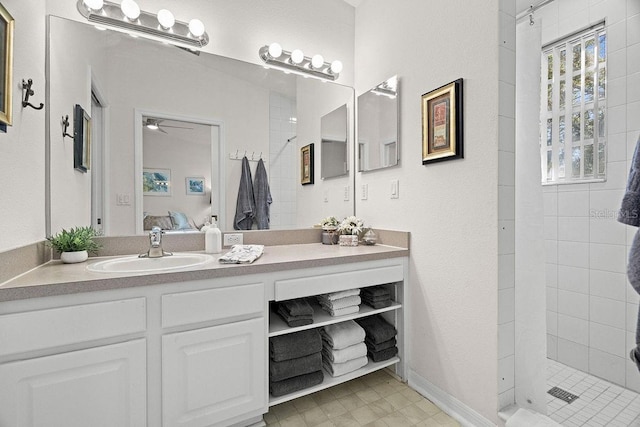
column 128, row 18
column 295, row 62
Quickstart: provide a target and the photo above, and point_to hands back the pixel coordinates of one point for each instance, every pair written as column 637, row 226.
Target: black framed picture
column 442, row 126
column 81, row 139
column 6, row 64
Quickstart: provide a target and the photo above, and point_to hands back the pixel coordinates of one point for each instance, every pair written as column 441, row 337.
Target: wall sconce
column 128, row 18
column 296, row 62
column 387, row 88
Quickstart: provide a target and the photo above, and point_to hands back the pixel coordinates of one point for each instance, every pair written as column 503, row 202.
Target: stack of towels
column 296, row 312
column 343, row 348
column 295, row 361
column 341, row 303
column 380, row 338
column 376, row 296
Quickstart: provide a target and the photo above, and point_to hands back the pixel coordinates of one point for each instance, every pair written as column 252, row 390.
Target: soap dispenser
column 213, row 239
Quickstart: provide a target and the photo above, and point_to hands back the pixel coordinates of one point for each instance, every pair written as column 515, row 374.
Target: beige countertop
column 56, row 278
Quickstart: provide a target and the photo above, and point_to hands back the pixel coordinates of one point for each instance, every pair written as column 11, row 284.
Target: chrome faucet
column 155, row 244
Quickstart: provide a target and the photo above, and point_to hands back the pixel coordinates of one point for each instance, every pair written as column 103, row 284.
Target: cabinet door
column 213, row 374
column 99, row 387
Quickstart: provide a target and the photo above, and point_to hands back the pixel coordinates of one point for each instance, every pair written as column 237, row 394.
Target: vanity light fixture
column 387, row 88
column 127, row 17
column 296, row 62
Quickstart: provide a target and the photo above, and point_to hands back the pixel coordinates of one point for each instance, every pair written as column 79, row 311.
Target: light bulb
column 196, row 27
column 166, row 18
column 317, row 61
column 336, row 67
column 130, row 9
column 93, row 4
column 275, row 50
column 297, row 56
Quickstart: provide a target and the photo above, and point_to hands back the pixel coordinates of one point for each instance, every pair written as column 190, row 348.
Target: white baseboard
column 449, row 404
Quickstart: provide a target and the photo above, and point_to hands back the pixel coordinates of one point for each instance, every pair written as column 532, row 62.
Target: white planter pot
column 74, row 257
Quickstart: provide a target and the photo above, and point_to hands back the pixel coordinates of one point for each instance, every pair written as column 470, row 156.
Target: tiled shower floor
column 600, row 402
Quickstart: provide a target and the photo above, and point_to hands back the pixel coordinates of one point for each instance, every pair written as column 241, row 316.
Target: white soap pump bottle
column 213, row 239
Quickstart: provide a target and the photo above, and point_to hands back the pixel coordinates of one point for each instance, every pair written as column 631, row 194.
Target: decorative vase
column 369, row 238
column 348, row 240
column 74, row 257
column 329, row 236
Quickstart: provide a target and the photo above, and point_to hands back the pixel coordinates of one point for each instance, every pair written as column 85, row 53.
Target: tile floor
column 600, row 402
column 374, row 400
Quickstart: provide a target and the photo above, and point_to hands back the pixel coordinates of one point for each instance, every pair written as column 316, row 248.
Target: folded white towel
column 341, row 294
column 342, row 335
column 343, row 355
column 337, row 369
column 341, row 302
column 342, row 311
column 242, row 254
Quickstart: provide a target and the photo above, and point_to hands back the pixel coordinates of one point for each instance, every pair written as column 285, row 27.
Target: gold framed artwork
column 6, row 64
column 442, row 127
column 306, row 165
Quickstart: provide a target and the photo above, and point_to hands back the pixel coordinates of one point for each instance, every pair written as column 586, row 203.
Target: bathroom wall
column 591, row 309
column 22, row 149
column 451, row 208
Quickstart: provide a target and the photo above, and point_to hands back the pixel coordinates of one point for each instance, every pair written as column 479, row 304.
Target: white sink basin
column 135, row 264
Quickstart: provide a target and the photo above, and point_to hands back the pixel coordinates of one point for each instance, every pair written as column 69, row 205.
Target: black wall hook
column 65, row 126
column 27, row 92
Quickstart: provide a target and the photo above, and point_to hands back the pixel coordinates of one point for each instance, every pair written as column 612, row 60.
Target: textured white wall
column 451, row 208
column 22, row 151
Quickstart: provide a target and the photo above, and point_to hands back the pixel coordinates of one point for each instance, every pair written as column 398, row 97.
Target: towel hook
column 65, row 126
column 27, row 92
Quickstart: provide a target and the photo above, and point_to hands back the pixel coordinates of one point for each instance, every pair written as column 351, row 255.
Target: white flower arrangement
column 329, row 223
column 351, row 225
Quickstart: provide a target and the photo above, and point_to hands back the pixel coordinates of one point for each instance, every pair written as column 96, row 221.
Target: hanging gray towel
column 245, row 206
column 630, row 210
column 262, row 196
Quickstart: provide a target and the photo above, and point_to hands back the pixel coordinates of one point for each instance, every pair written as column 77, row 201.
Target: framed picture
column 81, row 139
column 306, row 164
column 195, row 185
column 156, row 182
column 442, row 127
column 6, row 64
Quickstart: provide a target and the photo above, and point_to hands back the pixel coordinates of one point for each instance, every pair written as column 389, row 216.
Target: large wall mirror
column 378, row 136
column 190, row 118
column 334, row 132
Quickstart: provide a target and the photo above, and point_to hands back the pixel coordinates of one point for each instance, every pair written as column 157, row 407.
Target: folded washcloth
column 340, row 294
column 386, row 354
column 242, row 254
column 342, row 311
column 342, row 335
column 344, row 354
column 297, row 307
column 295, row 344
column 294, row 321
column 375, row 291
column 377, row 329
column 378, row 304
column 280, row 388
column 341, row 302
column 337, row 369
column 279, row 371
column 381, row 346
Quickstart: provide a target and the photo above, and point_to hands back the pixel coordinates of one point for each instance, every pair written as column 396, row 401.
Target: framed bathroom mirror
column 378, row 136
column 245, row 109
column 334, row 143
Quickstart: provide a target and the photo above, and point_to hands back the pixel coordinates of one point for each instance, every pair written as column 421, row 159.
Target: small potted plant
column 74, row 244
column 329, row 230
column 350, row 229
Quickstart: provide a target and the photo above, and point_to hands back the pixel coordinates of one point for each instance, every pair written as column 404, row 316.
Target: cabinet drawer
column 315, row 285
column 212, row 304
column 42, row 329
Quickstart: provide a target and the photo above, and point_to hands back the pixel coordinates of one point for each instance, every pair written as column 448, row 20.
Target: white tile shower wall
column 282, row 161
column 592, row 306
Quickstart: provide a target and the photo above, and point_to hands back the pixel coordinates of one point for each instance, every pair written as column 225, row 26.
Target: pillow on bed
column 164, row 222
column 180, row 220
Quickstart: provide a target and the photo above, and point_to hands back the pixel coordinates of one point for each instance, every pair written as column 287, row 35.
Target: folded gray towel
column 344, row 354
column 343, row 334
column 295, row 344
column 378, row 304
column 340, row 294
column 297, row 307
column 369, row 298
column 630, row 210
column 382, row 346
column 340, row 302
column 337, row 369
column 377, row 329
column 294, row 321
column 382, row 355
column 375, row 291
column 335, row 312
column 279, row 371
column 280, row 388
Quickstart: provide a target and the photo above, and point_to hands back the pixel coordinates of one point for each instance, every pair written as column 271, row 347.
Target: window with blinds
column 573, row 108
